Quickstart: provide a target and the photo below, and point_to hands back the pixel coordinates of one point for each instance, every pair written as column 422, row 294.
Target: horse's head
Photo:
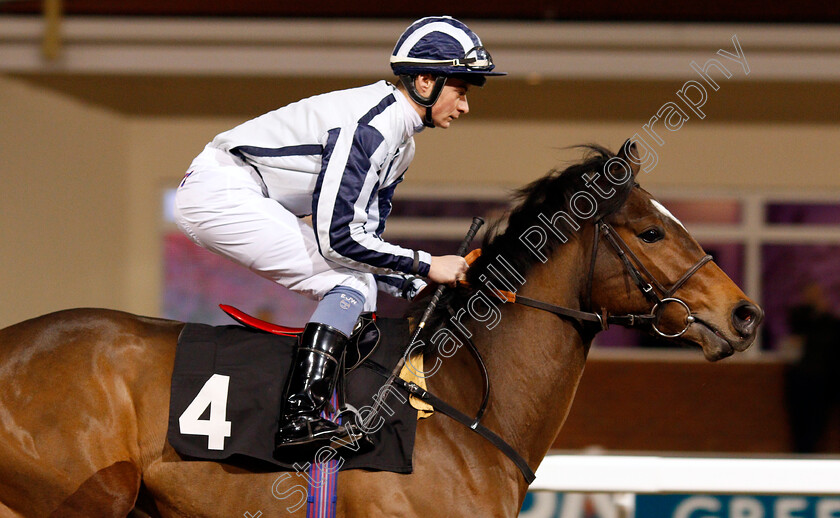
column 644, row 269
column 648, row 263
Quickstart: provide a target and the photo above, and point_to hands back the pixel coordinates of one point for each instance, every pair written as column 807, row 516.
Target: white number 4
column 214, row 394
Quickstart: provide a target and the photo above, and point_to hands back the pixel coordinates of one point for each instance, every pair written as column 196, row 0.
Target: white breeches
column 221, row 207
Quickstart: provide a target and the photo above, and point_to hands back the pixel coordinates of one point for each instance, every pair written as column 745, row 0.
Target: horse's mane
column 544, row 196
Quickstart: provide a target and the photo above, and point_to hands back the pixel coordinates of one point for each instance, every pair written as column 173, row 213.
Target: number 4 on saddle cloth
column 227, row 388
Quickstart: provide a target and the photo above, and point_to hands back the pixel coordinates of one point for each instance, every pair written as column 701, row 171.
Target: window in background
column 769, row 246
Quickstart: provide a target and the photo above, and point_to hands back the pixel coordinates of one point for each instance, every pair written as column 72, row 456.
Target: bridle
column 653, row 290
column 645, row 281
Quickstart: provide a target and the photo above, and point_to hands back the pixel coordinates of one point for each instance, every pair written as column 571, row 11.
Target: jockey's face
column 452, row 103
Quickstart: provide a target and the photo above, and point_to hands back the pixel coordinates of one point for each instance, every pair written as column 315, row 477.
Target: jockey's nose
column 746, row 317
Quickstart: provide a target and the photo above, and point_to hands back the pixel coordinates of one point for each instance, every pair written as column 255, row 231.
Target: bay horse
column 83, row 410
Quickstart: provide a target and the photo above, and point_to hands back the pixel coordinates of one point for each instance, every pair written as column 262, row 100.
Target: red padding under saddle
column 256, row 323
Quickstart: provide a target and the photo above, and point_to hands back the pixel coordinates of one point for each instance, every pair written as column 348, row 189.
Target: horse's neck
column 536, row 365
column 533, row 357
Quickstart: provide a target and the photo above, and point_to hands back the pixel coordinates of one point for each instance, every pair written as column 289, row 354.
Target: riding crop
column 477, row 222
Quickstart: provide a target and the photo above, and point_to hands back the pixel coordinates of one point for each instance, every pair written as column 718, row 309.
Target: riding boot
column 309, row 388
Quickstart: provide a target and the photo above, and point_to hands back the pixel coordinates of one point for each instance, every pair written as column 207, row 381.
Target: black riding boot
column 310, row 387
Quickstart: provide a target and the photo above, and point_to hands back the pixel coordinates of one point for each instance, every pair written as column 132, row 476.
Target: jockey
column 337, row 157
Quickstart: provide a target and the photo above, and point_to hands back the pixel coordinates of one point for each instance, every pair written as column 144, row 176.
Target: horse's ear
column 630, row 155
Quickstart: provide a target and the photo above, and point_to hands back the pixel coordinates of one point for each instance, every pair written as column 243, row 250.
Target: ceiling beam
column 359, row 48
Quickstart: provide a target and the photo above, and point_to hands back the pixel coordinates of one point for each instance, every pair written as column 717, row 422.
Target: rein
column 473, row 423
column 644, row 280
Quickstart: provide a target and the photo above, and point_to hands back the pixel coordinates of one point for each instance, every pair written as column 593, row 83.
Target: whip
column 477, row 222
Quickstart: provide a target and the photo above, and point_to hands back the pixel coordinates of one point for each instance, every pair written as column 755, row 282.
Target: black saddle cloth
column 231, row 378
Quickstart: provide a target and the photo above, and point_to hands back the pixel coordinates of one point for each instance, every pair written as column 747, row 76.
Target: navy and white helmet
column 444, row 47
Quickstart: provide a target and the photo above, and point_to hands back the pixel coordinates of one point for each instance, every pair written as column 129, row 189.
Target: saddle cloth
column 226, row 392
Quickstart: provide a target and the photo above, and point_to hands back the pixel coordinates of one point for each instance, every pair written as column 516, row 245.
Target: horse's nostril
column 744, row 314
column 746, row 317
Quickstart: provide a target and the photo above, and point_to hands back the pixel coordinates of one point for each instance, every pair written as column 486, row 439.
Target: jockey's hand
column 447, row 269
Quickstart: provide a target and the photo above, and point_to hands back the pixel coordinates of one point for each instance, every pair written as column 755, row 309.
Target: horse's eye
column 652, row 235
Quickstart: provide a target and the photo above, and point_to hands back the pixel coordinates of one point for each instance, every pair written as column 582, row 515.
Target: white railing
column 574, row 486
column 655, row 474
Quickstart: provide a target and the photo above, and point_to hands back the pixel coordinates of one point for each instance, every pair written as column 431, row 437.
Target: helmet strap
column 427, row 102
column 427, row 120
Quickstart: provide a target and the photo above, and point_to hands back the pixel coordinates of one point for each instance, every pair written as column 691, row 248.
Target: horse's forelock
column 618, row 200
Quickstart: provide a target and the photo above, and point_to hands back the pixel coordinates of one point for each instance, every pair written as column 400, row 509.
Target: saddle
column 362, row 343
column 227, row 388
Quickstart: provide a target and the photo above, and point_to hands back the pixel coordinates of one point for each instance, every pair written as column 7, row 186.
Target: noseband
column 654, row 291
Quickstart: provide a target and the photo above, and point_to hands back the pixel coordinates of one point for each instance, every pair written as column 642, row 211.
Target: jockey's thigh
column 221, row 207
